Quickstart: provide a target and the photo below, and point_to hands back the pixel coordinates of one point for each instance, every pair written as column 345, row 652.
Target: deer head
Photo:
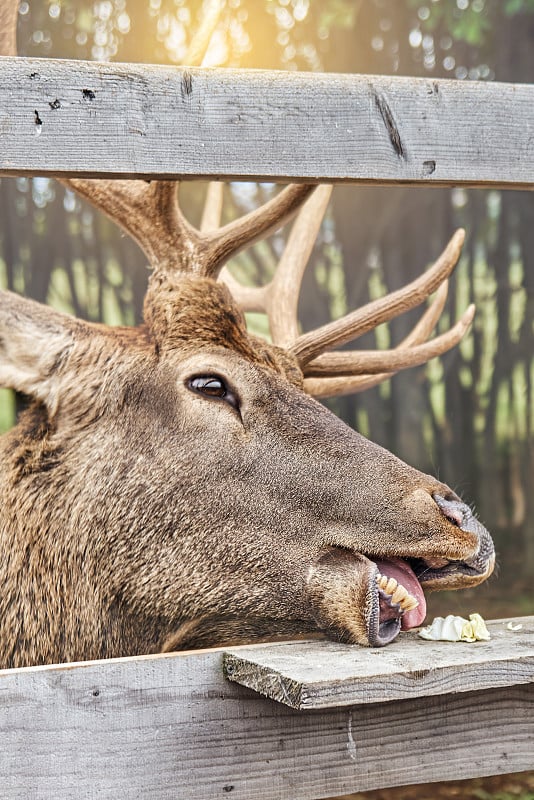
column 176, row 485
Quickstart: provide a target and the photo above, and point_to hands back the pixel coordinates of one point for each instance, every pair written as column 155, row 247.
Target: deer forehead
column 187, row 315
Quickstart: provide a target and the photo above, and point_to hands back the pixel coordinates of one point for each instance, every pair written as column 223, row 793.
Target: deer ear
column 34, row 342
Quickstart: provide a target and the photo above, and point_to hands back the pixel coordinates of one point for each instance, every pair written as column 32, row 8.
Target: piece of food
column 456, row 629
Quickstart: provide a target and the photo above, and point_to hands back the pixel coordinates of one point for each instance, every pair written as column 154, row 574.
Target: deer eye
column 214, row 387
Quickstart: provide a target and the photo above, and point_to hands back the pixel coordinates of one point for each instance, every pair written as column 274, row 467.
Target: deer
column 179, row 485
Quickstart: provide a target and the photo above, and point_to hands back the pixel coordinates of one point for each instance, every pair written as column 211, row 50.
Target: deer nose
column 455, row 511
column 461, row 515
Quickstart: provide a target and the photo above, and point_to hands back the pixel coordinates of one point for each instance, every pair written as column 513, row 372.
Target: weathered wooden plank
column 75, row 117
column 173, row 729
column 172, row 726
column 323, row 674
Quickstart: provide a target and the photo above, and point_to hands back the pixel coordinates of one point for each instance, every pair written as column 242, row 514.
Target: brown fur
column 138, row 516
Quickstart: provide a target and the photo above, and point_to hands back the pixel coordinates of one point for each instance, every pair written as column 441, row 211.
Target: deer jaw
column 176, row 518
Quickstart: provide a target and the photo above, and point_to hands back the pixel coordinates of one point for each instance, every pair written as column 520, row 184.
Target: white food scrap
column 512, row 626
column 456, row 629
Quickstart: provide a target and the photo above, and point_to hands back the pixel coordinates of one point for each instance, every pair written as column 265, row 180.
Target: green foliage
column 481, row 794
column 471, row 21
column 512, row 7
column 7, row 409
column 339, row 14
column 470, row 24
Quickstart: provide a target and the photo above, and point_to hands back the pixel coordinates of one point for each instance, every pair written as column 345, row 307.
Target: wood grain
column 323, row 674
column 92, row 119
column 171, row 726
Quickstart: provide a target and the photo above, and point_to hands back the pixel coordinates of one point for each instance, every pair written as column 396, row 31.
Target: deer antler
column 336, row 386
column 8, row 28
column 328, row 374
column 279, row 298
column 150, row 213
column 352, row 371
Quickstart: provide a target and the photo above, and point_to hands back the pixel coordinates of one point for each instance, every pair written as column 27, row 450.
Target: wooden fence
column 300, row 720
column 108, row 120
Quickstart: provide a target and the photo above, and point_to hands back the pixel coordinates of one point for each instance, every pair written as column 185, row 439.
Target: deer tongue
column 404, row 574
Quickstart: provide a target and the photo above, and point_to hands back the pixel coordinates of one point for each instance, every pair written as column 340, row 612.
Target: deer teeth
column 409, row 603
column 399, row 595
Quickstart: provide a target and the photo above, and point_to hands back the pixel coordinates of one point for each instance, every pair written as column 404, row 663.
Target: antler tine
column 279, row 298
column 424, row 327
column 213, row 204
column 234, row 237
column 249, row 298
column 8, row 28
column 149, row 213
column 385, row 308
column 198, row 46
column 282, row 305
column 358, row 362
column 337, row 386
column 350, row 384
column 377, row 361
column 341, row 385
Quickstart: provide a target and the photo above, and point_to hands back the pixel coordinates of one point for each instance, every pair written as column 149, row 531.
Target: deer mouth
column 398, row 592
column 397, row 601
column 398, row 595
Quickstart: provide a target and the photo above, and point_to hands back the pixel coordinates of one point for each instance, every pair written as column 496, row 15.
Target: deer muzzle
column 366, row 599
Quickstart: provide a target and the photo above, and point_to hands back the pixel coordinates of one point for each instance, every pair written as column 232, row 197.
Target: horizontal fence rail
column 93, row 119
column 172, row 726
column 324, row 674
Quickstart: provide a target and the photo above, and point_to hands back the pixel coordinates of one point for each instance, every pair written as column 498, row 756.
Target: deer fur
column 139, row 516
